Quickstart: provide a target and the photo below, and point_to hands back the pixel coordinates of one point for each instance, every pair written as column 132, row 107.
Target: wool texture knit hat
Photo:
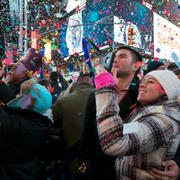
column 169, row 82
column 32, row 60
column 43, row 99
column 152, row 65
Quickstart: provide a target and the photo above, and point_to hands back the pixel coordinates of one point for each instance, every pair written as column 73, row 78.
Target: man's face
column 16, row 74
column 123, row 63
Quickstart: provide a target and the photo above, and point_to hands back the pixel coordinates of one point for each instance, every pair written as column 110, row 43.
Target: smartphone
column 107, row 61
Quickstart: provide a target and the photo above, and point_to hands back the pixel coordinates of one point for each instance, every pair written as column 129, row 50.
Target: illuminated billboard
column 167, row 9
column 74, row 33
column 73, row 4
column 126, row 33
column 166, row 39
column 106, row 22
column 133, row 16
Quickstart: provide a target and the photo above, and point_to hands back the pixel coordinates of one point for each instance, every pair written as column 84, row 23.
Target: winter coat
column 129, row 100
column 150, row 137
column 69, row 112
column 22, row 132
column 15, row 88
column 177, row 156
column 103, row 165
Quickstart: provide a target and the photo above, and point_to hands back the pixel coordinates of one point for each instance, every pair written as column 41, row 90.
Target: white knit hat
column 169, row 82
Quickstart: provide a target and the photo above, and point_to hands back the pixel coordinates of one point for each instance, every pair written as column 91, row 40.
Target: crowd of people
column 123, row 124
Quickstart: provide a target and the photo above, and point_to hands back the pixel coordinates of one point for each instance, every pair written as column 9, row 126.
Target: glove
column 104, row 80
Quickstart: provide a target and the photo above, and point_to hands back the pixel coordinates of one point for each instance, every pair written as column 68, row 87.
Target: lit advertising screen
column 73, row 4
column 105, row 23
column 166, row 39
column 167, row 9
column 95, row 22
column 133, row 14
column 98, row 22
column 74, row 33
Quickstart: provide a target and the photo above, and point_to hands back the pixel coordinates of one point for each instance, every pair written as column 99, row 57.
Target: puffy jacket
column 22, row 132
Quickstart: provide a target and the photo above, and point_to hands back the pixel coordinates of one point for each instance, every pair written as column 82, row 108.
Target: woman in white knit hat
column 152, row 133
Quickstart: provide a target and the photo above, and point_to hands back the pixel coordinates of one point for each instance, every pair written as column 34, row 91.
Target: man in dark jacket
column 69, row 112
column 125, row 69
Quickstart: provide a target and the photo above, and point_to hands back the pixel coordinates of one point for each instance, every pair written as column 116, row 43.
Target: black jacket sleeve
column 89, row 133
column 177, row 156
column 101, row 164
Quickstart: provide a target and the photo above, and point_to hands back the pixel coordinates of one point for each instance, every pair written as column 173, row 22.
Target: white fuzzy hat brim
column 169, row 82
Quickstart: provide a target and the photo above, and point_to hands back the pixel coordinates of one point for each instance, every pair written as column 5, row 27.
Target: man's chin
column 122, row 74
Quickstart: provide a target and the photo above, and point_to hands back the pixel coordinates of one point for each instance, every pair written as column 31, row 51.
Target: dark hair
column 135, row 55
column 176, row 71
column 152, row 65
column 172, row 66
column 53, row 76
column 44, row 82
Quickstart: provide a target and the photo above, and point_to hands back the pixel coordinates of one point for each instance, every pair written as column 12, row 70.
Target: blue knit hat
column 42, row 97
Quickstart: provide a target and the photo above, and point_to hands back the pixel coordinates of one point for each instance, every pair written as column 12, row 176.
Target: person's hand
column 114, row 71
column 103, row 78
column 172, row 171
column 28, row 73
column 99, row 69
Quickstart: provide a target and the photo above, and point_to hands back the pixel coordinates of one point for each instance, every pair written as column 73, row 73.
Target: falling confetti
column 47, row 16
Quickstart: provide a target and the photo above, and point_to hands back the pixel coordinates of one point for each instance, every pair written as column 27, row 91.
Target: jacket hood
column 29, row 115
